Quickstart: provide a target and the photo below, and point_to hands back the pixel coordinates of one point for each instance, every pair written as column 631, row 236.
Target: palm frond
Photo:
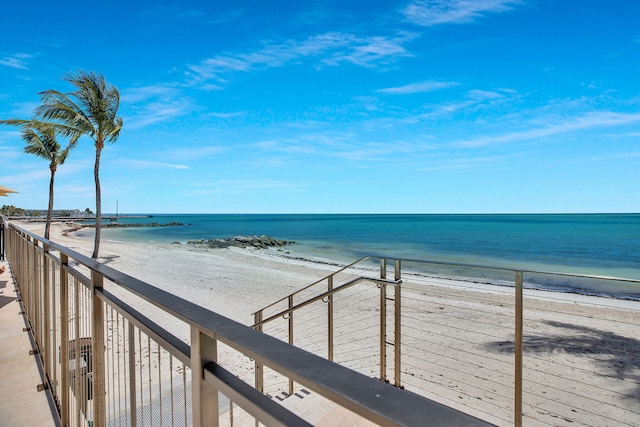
column 14, row 122
column 95, row 111
column 59, row 107
column 41, row 140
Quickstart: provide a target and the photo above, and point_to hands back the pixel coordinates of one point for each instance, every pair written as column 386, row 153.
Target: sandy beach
column 582, row 354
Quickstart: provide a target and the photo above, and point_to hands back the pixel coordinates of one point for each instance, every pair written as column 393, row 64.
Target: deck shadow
column 5, row 300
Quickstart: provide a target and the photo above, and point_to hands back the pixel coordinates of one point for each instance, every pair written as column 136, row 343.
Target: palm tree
column 41, row 140
column 93, row 113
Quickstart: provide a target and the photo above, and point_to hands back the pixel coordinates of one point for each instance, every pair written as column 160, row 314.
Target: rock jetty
column 258, row 242
column 75, row 226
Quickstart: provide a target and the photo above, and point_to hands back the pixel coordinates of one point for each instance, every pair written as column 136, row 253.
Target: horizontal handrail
column 176, row 347
column 510, row 269
column 342, row 287
column 317, row 281
column 444, row 263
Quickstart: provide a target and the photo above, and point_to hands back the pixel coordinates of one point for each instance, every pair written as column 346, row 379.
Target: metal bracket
column 42, row 387
column 26, row 329
column 32, row 352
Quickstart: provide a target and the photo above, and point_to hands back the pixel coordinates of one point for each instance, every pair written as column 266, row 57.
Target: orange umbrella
column 5, row 190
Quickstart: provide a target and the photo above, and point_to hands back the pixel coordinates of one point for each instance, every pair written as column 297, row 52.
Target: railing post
column 132, row 376
column 290, row 336
column 24, row 276
column 64, row 341
column 37, row 286
column 330, row 320
column 33, row 286
column 518, row 351
column 46, row 345
column 1, row 238
column 204, row 397
column 26, row 284
column 397, row 326
column 383, row 332
column 55, row 326
column 77, row 388
column 97, row 332
column 35, row 312
column 259, row 368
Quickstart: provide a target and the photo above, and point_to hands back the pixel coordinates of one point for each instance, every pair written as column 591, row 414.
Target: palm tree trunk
column 47, row 227
column 96, row 170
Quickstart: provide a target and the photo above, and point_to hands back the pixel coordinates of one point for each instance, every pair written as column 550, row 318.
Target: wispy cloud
column 376, row 151
column 76, row 189
column 433, row 12
column 30, row 174
column 473, row 101
column 350, row 146
column 471, row 163
column 147, row 105
column 370, row 51
column 153, row 165
column 143, row 93
column 226, row 115
column 332, row 48
column 587, row 121
column 19, row 61
column 483, row 95
column 428, row 86
column 157, row 112
column 304, row 144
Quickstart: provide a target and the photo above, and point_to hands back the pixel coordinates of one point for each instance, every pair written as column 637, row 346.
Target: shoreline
column 564, row 278
column 284, row 257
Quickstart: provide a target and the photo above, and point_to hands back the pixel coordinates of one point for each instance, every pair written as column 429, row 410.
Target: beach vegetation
column 10, row 210
column 90, row 110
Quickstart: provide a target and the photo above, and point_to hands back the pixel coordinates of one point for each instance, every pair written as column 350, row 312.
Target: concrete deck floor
column 21, row 404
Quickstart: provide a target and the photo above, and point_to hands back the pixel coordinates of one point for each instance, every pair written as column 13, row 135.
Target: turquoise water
column 600, row 244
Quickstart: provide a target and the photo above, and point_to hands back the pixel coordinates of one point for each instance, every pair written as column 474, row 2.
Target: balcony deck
column 21, row 404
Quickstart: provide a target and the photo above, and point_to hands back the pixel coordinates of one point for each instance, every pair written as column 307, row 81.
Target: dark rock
column 258, row 242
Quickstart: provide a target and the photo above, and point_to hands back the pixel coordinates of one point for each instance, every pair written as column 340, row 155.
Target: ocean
column 594, row 244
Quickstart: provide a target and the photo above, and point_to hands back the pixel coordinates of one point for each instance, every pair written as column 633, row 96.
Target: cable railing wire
column 480, row 319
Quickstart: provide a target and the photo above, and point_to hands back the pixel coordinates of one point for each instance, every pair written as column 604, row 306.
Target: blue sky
column 413, row 106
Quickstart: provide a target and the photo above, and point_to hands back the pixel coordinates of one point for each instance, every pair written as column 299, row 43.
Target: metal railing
column 2, row 239
column 461, row 339
column 107, row 363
